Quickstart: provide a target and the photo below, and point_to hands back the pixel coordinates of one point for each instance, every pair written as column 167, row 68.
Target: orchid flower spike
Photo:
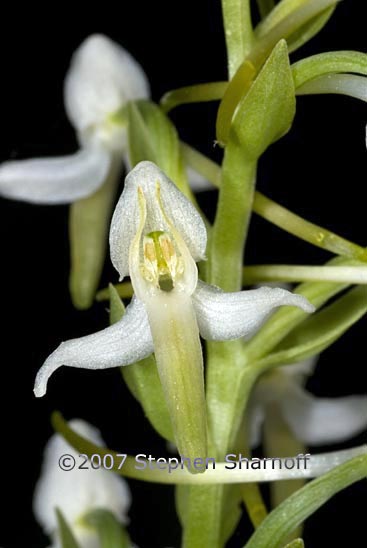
column 313, row 421
column 156, row 237
column 101, row 79
column 76, row 492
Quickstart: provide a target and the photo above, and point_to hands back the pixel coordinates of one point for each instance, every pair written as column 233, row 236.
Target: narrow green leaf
column 298, row 507
column 89, row 222
column 143, row 380
column 66, row 535
column 320, row 330
column 110, row 531
column 266, row 113
column 326, row 63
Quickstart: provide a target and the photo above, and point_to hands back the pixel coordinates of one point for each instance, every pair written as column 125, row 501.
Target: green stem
column 198, row 93
column 279, row 441
column 265, row 7
column 232, row 220
column 238, row 31
column 296, row 225
column 299, row 273
column 254, row 503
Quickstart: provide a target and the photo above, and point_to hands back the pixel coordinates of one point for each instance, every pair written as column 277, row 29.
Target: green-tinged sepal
column 110, row 531
column 88, row 229
column 143, row 380
column 266, row 113
column 153, row 137
column 66, row 535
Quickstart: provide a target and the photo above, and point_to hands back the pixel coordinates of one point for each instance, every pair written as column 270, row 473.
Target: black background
column 318, row 170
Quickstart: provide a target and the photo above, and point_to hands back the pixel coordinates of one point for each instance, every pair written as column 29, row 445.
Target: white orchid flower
column 312, row 420
column 77, row 492
column 156, row 237
column 101, row 79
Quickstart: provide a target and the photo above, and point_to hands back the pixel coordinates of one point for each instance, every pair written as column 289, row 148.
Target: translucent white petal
column 102, row 77
column 125, row 342
column 343, row 84
column 178, row 208
column 55, row 180
column 319, row 421
column 256, row 416
column 223, row 316
column 300, row 371
column 76, row 491
column 197, row 182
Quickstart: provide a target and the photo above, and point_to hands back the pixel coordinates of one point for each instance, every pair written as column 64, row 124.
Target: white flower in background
column 101, row 79
column 312, row 420
column 77, row 492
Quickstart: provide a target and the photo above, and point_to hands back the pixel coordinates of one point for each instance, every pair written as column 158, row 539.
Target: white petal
column 256, row 416
column 197, row 182
column 223, row 316
column 125, row 221
column 319, row 421
column 301, row 370
column 76, row 491
column 102, row 77
column 123, row 343
column 55, row 180
column 343, row 84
